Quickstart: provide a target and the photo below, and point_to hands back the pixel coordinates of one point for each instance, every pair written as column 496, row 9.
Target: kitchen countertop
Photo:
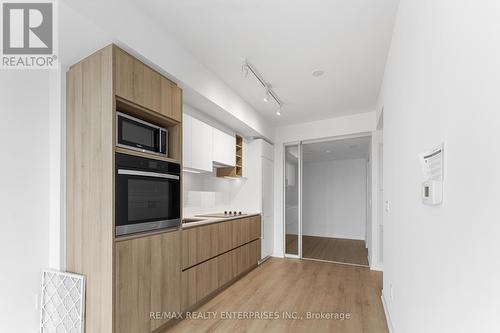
column 210, row 220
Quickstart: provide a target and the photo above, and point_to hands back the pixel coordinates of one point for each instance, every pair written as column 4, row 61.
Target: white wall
column 334, row 199
column 442, row 85
column 335, row 127
column 24, row 195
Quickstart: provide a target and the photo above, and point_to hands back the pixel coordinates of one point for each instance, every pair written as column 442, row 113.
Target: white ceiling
column 286, row 40
column 344, row 149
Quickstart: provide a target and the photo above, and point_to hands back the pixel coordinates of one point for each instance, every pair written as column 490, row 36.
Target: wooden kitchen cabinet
column 171, row 100
column 213, row 255
column 198, row 282
column 225, row 239
column 140, row 84
column 148, row 279
column 226, row 270
column 199, row 244
column 204, row 279
column 204, row 242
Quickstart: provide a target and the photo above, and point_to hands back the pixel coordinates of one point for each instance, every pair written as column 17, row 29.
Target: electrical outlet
column 387, row 206
column 391, row 291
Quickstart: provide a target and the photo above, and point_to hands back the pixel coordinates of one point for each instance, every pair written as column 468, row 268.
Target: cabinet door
column 147, row 280
column 187, row 142
column 140, row 84
column 137, row 82
column 201, row 146
column 224, row 148
column 171, row 99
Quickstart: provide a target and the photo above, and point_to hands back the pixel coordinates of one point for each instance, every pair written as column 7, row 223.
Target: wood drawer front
column 201, row 280
column 205, row 242
column 138, row 83
column 255, row 227
column 148, row 279
column 245, row 230
column 199, row 244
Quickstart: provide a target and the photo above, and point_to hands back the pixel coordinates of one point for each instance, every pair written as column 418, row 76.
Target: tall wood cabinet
column 126, row 278
column 132, row 276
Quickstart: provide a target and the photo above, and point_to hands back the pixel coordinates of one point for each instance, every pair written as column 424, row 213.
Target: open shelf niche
column 236, row 171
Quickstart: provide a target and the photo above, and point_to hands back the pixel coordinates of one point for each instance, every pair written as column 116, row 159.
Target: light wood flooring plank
column 298, row 286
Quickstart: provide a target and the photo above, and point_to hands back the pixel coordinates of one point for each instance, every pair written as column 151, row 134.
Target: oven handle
column 147, row 174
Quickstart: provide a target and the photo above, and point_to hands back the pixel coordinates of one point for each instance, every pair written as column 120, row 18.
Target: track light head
column 278, row 112
column 267, row 95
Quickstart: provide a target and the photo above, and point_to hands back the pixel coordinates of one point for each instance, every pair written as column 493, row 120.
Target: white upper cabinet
column 187, row 129
column 224, row 148
column 197, row 144
column 204, row 145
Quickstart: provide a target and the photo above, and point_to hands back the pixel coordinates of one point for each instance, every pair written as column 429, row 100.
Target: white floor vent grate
column 62, row 303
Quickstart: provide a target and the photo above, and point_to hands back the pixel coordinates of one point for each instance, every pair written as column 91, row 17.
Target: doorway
column 327, row 188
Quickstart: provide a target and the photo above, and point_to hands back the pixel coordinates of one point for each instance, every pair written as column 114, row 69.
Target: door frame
column 299, row 201
column 300, row 143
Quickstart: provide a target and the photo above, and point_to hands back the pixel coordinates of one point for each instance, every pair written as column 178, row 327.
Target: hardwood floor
column 299, row 286
column 340, row 250
column 335, row 249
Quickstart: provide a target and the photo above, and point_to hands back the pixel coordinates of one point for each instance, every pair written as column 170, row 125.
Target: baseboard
column 261, row 261
column 335, row 262
column 387, row 314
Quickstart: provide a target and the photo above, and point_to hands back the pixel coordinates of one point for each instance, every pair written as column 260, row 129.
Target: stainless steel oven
column 147, row 194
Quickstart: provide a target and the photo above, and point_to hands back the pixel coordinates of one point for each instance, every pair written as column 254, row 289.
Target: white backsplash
column 206, row 193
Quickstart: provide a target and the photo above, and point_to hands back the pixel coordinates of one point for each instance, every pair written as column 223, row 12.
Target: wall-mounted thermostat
column 432, row 192
column 433, row 171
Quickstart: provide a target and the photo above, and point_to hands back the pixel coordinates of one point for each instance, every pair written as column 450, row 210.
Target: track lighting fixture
column 244, row 69
column 247, row 69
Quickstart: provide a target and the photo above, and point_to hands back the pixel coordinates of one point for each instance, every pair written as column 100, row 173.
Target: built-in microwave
column 147, row 194
column 136, row 134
